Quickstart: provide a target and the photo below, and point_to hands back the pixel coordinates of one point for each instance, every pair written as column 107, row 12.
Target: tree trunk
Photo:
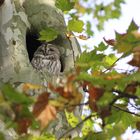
column 17, row 19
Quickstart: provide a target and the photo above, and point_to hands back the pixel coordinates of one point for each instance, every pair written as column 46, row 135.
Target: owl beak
column 46, row 50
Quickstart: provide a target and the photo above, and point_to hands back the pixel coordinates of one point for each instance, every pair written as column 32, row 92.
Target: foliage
column 113, row 97
column 48, row 34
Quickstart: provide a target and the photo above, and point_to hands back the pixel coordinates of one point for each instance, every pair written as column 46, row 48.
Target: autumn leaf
column 47, row 115
column 111, row 42
column 43, row 111
column 83, row 37
column 40, row 104
column 138, row 125
column 95, row 93
column 92, row 104
column 105, row 112
column 131, row 88
column 23, row 124
column 136, row 57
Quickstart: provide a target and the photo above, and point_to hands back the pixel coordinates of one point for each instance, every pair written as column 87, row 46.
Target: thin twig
column 127, row 111
column 78, row 125
column 124, row 94
column 136, row 107
column 112, row 65
column 114, row 100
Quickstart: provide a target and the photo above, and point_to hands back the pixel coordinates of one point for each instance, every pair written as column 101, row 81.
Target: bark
column 16, row 18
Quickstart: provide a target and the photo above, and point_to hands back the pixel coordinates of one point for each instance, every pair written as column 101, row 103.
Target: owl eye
column 51, row 50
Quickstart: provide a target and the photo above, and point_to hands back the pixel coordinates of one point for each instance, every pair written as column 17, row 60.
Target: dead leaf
column 40, row 104
column 131, row 88
column 47, row 115
column 43, row 111
column 111, row 42
column 105, row 112
column 136, row 57
column 92, row 104
column 23, row 125
column 95, row 93
column 83, row 37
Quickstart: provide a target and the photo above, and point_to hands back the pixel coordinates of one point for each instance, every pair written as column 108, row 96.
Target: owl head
column 48, row 49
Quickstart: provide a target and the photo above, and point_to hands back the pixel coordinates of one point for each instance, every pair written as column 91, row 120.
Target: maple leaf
column 92, row 104
column 136, row 34
column 47, row 115
column 131, row 88
column 40, row 104
column 111, row 42
column 136, row 57
column 95, row 93
column 43, row 111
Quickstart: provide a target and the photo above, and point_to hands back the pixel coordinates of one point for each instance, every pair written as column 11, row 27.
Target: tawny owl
column 47, row 57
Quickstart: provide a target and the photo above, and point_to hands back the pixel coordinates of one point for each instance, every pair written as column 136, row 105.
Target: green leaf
column 46, row 136
column 110, row 59
column 72, row 119
column 105, row 99
column 132, row 27
column 64, row 5
column 87, row 127
column 88, row 60
column 48, row 34
column 75, row 25
column 101, row 47
column 15, row 97
column 97, row 136
column 115, row 117
column 88, row 30
column 115, row 131
column 128, row 120
column 125, row 43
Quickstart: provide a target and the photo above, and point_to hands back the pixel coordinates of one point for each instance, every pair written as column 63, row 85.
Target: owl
column 47, row 58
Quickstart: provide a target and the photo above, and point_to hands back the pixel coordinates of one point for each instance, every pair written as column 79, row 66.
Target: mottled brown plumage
column 47, row 58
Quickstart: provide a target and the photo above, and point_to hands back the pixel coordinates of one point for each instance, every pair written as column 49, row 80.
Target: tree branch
column 127, row 111
column 78, row 125
column 136, row 107
column 112, row 65
column 124, row 94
